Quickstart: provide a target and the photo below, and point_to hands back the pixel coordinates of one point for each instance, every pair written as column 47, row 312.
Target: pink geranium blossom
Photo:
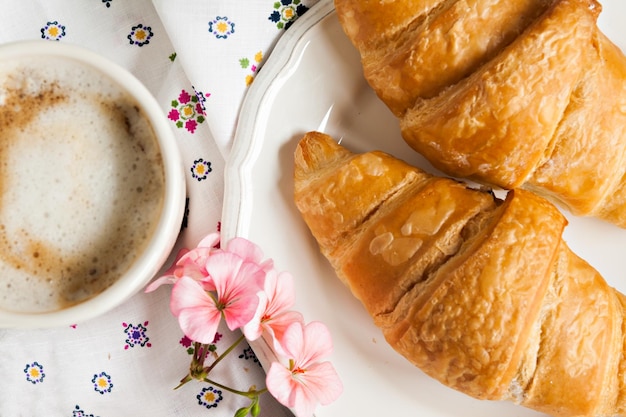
column 173, row 273
column 189, row 263
column 273, row 315
column 198, row 316
column 249, row 251
column 235, row 281
column 304, row 380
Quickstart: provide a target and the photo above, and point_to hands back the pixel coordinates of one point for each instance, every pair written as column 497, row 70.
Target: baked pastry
column 515, row 94
column 481, row 294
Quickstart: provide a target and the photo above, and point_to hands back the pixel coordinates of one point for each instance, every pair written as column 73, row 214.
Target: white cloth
column 127, row 362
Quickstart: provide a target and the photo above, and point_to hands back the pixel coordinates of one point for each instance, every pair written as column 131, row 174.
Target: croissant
column 514, row 94
column 480, row 293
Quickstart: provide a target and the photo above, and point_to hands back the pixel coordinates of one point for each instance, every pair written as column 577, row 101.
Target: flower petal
column 239, row 312
column 210, row 241
column 170, row 275
column 165, row 279
column 246, row 249
column 250, row 277
column 292, row 342
column 278, row 325
column 197, row 314
column 281, row 292
column 322, row 381
column 303, row 391
column 317, row 344
column 280, row 384
column 188, row 293
column 223, row 268
column 200, row 324
column 253, row 330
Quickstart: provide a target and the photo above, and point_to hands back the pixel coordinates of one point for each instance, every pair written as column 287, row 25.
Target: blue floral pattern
column 78, row 412
column 136, row 335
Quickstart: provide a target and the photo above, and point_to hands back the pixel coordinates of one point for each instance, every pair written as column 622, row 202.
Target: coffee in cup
column 82, row 183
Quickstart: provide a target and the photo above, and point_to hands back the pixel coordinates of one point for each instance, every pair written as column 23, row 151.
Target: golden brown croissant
column 481, row 294
column 525, row 93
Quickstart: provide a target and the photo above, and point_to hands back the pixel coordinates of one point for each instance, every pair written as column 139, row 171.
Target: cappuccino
column 81, row 183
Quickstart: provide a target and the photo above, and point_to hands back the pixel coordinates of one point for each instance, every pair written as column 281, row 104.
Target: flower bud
column 256, row 409
column 242, row 412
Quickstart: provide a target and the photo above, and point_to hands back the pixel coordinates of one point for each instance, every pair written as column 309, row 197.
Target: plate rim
column 237, row 206
column 236, row 214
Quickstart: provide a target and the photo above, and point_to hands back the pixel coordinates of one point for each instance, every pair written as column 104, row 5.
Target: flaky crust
column 481, row 294
column 515, row 94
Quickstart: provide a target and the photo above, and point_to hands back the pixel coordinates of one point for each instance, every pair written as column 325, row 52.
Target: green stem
column 226, row 352
column 197, row 370
column 249, row 394
column 183, row 381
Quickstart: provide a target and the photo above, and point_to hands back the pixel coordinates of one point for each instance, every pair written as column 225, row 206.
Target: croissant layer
column 481, row 294
column 515, row 94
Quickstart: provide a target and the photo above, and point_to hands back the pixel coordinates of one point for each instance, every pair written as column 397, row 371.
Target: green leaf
column 244, row 62
column 174, row 103
column 172, row 57
column 200, row 119
column 277, row 5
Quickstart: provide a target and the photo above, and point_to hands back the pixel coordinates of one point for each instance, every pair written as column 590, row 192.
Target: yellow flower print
column 102, row 383
column 201, row 169
column 221, row 27
column 140, row 35
column 34, row 373
column 209, row 397
column 53, row 31
column 245, row 63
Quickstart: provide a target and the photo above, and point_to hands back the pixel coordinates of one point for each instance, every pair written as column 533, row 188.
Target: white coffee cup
column 92, row 187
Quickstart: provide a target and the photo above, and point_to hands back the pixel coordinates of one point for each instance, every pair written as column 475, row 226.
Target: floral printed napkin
column 198, row 58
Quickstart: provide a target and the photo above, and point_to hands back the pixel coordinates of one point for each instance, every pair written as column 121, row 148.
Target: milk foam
column 81, row 183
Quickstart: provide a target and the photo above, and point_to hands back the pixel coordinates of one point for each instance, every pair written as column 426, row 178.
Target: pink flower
column 250, row 252
column 172, row 274
column 184, row 97
column 304, row 381
column 198, row 316
column 173, row 115
column 195, row 260
column 199, row 108
column 235, row 280
column 273, row 313
column 191, row 125
column 189, row 263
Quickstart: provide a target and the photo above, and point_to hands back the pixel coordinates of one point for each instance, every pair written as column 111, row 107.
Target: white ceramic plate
column 313, row 81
